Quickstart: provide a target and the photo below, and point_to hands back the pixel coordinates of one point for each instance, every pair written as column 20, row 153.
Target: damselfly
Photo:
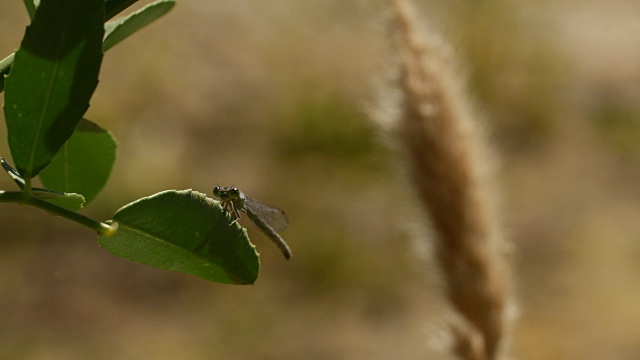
column 268, row 219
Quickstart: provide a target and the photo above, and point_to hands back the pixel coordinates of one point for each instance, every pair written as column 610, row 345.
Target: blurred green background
column 272, row 97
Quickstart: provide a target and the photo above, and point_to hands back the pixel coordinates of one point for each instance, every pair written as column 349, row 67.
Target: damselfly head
column 227, row 193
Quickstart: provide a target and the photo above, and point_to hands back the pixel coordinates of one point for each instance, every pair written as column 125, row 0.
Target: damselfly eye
column 216, row 191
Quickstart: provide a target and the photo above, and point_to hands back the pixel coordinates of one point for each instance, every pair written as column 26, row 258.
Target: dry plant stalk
column 449, row 166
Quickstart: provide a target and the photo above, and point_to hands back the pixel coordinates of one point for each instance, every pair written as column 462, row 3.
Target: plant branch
column 21, row 197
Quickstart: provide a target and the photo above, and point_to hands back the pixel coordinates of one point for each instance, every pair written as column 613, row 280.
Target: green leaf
column 111, row 8
column 31, row 7
column 84, row 163
column 119, row 29
column 184, row 231
column 53, row 76
column 70, row 201
column 114, row 7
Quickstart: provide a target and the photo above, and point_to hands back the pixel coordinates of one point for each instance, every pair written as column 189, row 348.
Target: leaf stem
column 24, row 198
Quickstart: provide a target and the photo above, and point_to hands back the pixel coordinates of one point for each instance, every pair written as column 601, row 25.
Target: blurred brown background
column 271, row 97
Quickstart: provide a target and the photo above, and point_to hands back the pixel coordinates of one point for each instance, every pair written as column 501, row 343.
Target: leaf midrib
column 155, row 237
column 44, row 108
